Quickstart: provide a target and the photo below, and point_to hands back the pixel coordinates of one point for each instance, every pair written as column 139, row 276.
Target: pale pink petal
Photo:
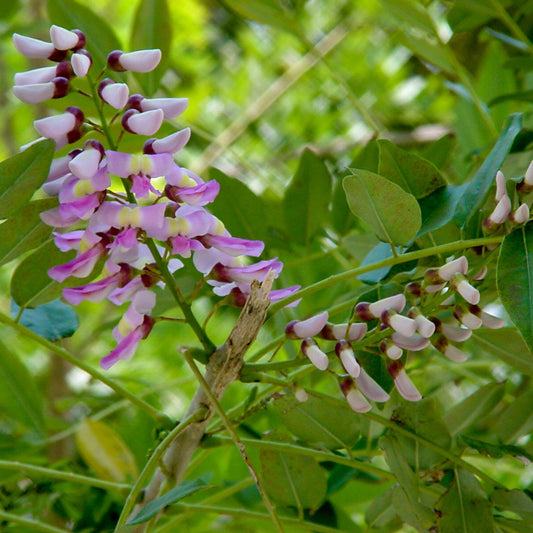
column 172, row 143
column 171, row 107
column 63, row 39
column 370, row 388
column 140, row 60
column 115, row 94
column 32, row 48
column 35, row 93
column 80, row 64
column 396, row 302
column 36, row 75
column 406, row 387
column 310, row 349
column 301, row 329
column 459, row 265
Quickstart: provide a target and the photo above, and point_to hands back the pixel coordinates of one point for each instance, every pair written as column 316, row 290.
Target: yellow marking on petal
column 124, row 327
column 220, row 229
column 123, row 217
column 83, row 188
column 145, row 164
column 187, row 181
column 84, row 245
column 174, row 226
column 135, row 217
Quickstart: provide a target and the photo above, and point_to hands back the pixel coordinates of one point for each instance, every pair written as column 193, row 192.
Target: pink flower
column 170, row 144
column 138, row 61
column 300, row 329
column 79, row 267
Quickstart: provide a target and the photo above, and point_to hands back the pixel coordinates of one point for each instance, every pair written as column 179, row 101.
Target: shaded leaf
column 428, row 50
column 496, row 450
column 307, row 197
column 505, row 344
column 184, row 489
column 101, row 38
column 411, row 172
column 293, row 480
column 24, row 230
column 53, row 320
column 517, row 419
column 515, row 500
column 410, row 14
column 316, row 422
column 19, row 396
column 152, row 29
column 398, row 464
column 105, row 452
column 439, row 152
column 381, row 512
column 265, row 12
column 411, row 511
column 439, row 207
column 476, row 406
column 30, row 284
column 392, row 213
column 464, row 507
column 380, row 252
column 515, row 279
column 476, row 193
column 423, row 419
column 22, row 174
column 520, row 96
column 241, row 210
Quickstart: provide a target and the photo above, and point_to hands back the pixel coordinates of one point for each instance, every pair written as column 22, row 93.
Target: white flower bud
column 63, row 39
column 459, row 265
column 396, row 302
column 145, row 123
column 32, row 48
column 500, row 186
column 172, row 143
column 116, row 95
column 370, row 388
column 35, row 93
column 301, row 329
column 311, row 350
column 81, row 64
column 140, row 60
column 415, row 343
column 172, row 107
column 37, row 75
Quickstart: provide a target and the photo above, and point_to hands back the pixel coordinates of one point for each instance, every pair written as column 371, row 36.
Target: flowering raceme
column 139, row 234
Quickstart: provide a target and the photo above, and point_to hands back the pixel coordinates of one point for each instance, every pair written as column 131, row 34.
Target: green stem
column 151, row 464
column 235, row 438
column 245, row 513
column 99, row 110
column 206, row 342
column 65, row 476
column 283, row 447
column 391, row 261
column 29, row 524
column 161, row 418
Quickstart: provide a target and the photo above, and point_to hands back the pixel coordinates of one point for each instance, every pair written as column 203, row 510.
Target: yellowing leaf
column 105, row 452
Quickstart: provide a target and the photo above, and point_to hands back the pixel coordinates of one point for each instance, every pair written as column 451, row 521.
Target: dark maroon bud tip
column 82, row 40
column 64, row 70
column 104, row 83
column 171, row 192
column 147, row 325
column 78, row 113
column 148, row 146
column 289, row 330
column 96, row 145
column 134, row 102
column 238, row 298
column 437, row 322
column 61, row 87
column 58, row 55
column 126, row 116
column 362, row 312
column 414, row 288
column 346, row 385
column 327, row 332
column 432, row 276
column 395, row 368
column 441, row 343
column 475, row 309
column 73, row 153
column 343, row 344
column 74, row 135
column 113, row 61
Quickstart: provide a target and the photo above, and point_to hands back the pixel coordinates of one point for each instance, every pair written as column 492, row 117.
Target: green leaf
column 394, row 454
column 265, row 12
column 517, row 419
column 464, row 507
column 31, row 285
column 466, row 413
column 519, row 96
column 307, row 197
column 19, row 395
column 496, row 450
column 515, row 279
column 439, row 207
column 22, row 174
column 411, row 172
column 105, row 452
column 317, row 423
column 293, row 480
column 440, row 151
column 24, row 230
column 152, row 28
column 428, row 50
column 380, row 252
column 7, row 9
column 422, row 419
column 381, row 513
column 101, row 38
column 505, row 344
column 241, row 210
column 53, row 321
column 410, row 14
column 411, row 511
column 515, row 500
column 476, row 193
column 184, row 489
column 393, row 214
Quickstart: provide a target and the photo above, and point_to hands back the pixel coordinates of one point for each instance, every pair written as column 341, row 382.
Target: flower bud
column 390, row 349
column 499, row 214
column 489, row 321
column 58, row 126
column 455, row 333
column 114, row 94
column 350, row 332
column 370, row 388
column 172, row 107
column 138, row 61
column 396, row 302
column 461, row 285
column 85, row 165
column 526, row 185
column 301, row 395
column 33, row 48
column 81, row 62
column 466, row 318
column 459, row 265
column 170, row 144
column 300, row 329
column 521, row 215
column 63, row 39
column 146, row 123
column 354, row 397
column 311, row 350
column 449, row 350
column 345, row 353
column 424, row 326
column 500, row 186
column 415, row 343
column 40, row 92
column 402, row 324
column 403, row 383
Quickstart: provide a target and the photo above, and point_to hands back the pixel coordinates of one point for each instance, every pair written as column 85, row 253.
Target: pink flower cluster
column 451, row 313
column 122, row 228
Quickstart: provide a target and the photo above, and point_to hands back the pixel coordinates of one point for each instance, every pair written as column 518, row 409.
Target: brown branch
column 222, row 369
